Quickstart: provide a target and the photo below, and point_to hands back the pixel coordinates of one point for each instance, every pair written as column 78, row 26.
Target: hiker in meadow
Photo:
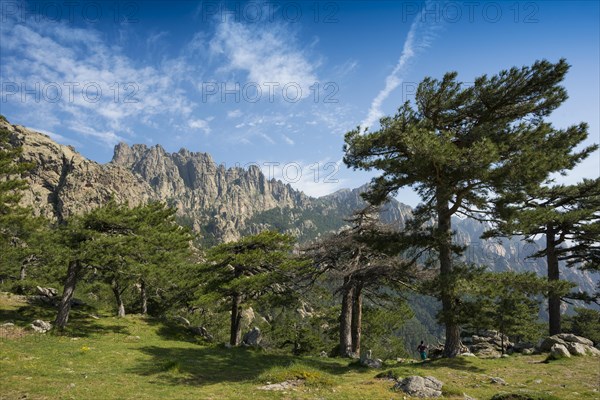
column 422, row 349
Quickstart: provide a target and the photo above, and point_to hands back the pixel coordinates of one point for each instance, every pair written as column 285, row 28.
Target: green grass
column 143, row 358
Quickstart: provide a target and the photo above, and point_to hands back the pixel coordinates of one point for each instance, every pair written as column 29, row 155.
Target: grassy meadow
column 144, row 358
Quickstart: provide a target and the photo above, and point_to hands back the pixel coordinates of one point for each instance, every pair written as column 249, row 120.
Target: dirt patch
column 12, row 332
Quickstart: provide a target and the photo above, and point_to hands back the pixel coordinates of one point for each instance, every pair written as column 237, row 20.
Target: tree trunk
column 356, row 319
column 118, row 292
column 346, row 320
column 553, row 276
column 65, row 302
column 444, row 231
column 23, row 273
column 236, row 320
column 144, row 297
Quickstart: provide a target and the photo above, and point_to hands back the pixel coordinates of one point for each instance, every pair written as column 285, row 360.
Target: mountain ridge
column 223, row 204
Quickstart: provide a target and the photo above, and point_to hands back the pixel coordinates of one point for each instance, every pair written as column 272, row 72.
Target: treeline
column 485, row 151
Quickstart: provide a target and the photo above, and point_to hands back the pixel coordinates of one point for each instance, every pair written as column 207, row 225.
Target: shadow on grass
column 459, row 363
column 210, row 365
column 80, row 323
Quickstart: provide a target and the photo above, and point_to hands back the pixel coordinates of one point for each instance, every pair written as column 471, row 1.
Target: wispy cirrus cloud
column 71, row 77
column 267, row 55
column 419, row 37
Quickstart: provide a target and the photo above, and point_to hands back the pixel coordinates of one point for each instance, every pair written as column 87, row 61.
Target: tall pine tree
column 458, row 146
column 567, row 217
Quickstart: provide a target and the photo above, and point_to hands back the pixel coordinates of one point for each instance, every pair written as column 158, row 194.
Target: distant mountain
column 223, row 204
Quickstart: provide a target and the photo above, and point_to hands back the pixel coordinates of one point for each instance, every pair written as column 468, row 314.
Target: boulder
column 485, row 350
column 559, row 351
column 202, row 331
column 570, row 338
column 418, row 386
column 48, row 292
column 576, row 349
column 369, row 362
column 592, row 351
column 252, row 338
column 519, row 347
column 41, row 326
column 547, row 343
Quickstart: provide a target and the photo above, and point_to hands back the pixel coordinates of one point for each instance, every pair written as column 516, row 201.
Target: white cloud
column 419, row 37
column 83, row 81
column 268, row 55
column 313, row 178
column 234, row 113
column 288, row 140
column 201, row 124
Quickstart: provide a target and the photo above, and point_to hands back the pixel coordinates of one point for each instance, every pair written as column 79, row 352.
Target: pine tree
column 458, row 146
column 246, row 270
column 124, row 246
column 567, row 217
column 17, row 225
column 350, row 258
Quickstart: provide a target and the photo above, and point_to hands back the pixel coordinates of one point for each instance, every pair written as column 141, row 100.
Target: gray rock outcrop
column 418, row 386
column 40, row 326
column 252, row 338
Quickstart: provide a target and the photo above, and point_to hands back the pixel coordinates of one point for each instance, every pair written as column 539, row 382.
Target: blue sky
column 272, row 83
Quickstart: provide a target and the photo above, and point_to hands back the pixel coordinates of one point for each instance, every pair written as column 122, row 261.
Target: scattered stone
column 323, row 354
column 371, row 363
column 252, row 338
column 48, row 292
column 41, row 326
column 527, row 352
column 8, row 324
column 522, row 346
column 559, row 351
column 537, row 381
column 202, row 331
column 505, row 356
column 182, row 320
column 419, row 386
column 498, row 381
column 282, row 385
column 467, row 397
column 94, row 316
column 468, row 354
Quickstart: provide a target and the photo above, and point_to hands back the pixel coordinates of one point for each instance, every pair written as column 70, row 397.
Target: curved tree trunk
column 444, row 231
column 144, row 297
column 553, row 276
column 346, row 321
column 118, row 297
column 65, row 302
column 356, row 319
column 236, row 320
